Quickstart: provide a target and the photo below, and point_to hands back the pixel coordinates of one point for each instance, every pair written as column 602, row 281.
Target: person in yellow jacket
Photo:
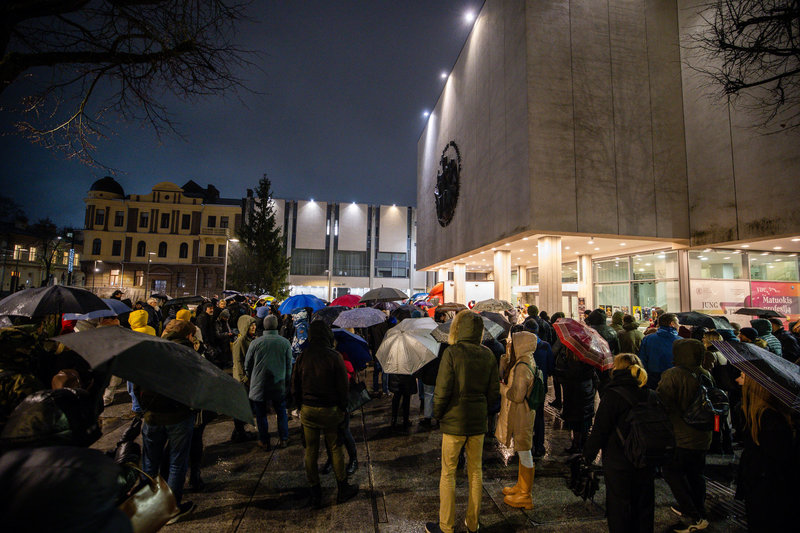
column 515, row 421
column 138, row 322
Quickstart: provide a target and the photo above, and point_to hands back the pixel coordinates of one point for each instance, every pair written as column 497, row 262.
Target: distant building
column 173, row 240
column 347, row 248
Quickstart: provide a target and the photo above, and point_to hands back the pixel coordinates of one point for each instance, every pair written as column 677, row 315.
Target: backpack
column 708, row 404
column 536, row 397
column 649, row 440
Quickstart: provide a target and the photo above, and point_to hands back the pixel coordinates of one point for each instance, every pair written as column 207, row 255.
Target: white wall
column 393, row 229
column 310, row 228
column 352, row 227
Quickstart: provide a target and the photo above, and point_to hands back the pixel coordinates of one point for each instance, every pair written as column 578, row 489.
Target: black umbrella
column 779, row 376
column 402, row 312
column 383, row 294
column 498, row 319
column 386, row 306
column 183, row 301
column 56, row 299
column 329, row 314
column 163, row 366
column 693, row 318
column 760, row 313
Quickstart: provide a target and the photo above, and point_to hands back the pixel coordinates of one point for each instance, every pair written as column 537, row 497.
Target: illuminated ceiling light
column 707, row 250
column 737, row 251
column 443, row 75
column 765, row 253
column 727, row 257
column 622, row 244
column 426, row 114
column 597, row 249
column 778, row 260
column 662, row 256
column 493, row 249
column 525, row 239
column 777, row 247
column 507, row 244
column 704, row 259
column 469, row 17
column 311, row 201
column 792, row 255
column 647, row 264
column 745, row 246
column 566, row 247
column 796, row 239
column 641, row 270
column 591, row 240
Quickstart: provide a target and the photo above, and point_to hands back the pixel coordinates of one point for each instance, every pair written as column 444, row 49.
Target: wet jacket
column 616, row 321
column 772, row 464
column 468, row 381
column 597, row 321
column 138, row 321
column 268, row 364
column 611, row 412
column 544, row 359
column 205, row 323
column 402, row 384
column 764, row 329
column 320, row 377
column 655, row 350
column 579, row 383
column 790, row 349
column 678, row 388
column 630, row 338
column 515, row 420
column 240, row 347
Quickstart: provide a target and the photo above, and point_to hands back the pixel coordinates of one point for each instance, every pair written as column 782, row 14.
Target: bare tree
column 754, row 46
column 92, row 61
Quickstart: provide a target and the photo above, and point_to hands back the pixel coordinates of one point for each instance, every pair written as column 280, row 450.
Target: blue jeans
column 278, row 400
column 135, row 407
column 427, row 398
column 179, row 436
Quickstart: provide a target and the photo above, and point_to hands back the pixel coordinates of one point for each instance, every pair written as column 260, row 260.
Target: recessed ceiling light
column 647, row 264
column 566, row 247
column 796, row 239
column 745, row 246
column 591, row 240
column 493, row 249
column 707, row 250
column 525, row 239
column 777, row 247
column 443, row 75
column 597, row 249
column 727, row 257
column 704, row 259
column 737, row 251
column 662, row 256
column 622, row 244
column 765, row 253
column 778, row 260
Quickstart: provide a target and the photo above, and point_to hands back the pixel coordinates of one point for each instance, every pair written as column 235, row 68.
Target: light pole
column 147, row 275
column 225, row 269
column 96, row 270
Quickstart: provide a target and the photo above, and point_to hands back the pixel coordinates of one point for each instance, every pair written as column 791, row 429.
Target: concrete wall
column 352, row 227
column 393, row 236
column 310, row 230
column 742, row 183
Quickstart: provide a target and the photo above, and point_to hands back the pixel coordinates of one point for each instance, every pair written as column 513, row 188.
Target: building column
column 460, row 280
column 586, row 281
column 502, row 275
column 550, row 274
column 683, row 282
column 441, row 275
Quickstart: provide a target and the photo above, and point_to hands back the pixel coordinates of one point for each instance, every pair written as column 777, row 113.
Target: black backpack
column 708, row 404
column 649, row 440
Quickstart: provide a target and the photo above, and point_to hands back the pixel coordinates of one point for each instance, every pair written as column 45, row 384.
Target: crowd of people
column 477, row 388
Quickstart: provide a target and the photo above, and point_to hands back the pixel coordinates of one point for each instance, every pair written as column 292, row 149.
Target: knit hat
column 762, row 326
column 184, row 314
column 749, row 333
column 262, row 312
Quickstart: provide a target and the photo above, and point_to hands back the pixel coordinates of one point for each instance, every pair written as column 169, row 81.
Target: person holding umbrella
column 321, row 391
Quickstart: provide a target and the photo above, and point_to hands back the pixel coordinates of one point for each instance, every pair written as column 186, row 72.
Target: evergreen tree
column 259, row 263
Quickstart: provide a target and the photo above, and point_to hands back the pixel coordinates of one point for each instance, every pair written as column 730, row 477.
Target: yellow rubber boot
column 516, row 488
column 522, row 499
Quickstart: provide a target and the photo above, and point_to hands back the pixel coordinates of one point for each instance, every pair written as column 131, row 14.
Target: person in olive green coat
column 467, row 384
column 630, row 338
column 677, row 390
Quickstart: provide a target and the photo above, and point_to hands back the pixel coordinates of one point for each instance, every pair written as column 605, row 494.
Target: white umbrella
column 408, row 346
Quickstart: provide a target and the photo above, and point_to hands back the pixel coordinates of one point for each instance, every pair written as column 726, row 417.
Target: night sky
column 342, row 90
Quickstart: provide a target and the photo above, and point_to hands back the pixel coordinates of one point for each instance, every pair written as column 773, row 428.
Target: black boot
column 326, row 468
column 352, row 466
column 346, row 491
column 316, row 497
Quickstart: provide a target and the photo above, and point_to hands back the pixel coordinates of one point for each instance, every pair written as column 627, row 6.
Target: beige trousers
column 451, row 447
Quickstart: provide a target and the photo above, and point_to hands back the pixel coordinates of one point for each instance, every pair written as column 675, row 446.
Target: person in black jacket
column 579, row 382
column 320, row 387
column 630, row 494
column 790, row 348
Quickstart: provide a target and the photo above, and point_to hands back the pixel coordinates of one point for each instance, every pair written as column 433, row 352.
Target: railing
column 222, row 232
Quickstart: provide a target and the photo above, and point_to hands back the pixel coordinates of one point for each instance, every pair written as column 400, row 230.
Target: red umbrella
column 348, row 300
column 584, row 342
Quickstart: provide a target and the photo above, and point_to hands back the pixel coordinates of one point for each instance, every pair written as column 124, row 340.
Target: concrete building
column 348, row 248
column 173, row 240
column 580, row 163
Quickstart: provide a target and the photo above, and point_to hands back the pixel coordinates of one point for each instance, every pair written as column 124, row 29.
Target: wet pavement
column 249, row 489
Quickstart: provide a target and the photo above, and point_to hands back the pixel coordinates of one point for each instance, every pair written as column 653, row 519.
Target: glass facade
column 637, row 284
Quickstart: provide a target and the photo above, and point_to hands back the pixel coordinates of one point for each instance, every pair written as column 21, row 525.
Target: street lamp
column 96, row 270
column 147, row 275
column 225, row 269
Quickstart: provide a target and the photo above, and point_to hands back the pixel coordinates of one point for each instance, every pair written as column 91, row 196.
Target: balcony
column 210, row 260
column 219, row 232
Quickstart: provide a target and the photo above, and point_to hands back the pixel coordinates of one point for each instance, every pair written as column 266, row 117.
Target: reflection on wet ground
column 248, row 489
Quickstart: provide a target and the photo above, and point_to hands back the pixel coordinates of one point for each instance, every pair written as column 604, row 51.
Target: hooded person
column 321, row 390
column 247, row 333
column 617, row 321
column 630, row 338
column 677, row 390
column 516, row 419
column 138, row 322
column 764, row 329
column 466, row 386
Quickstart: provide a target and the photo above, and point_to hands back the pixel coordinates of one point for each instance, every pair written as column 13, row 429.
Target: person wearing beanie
column 684, row 475
column 268, row 366
column 751, row 335
column 764, row 329
column 184, row 314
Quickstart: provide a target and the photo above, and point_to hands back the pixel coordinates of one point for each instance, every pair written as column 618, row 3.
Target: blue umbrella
column 300, row 300
column 117, row 306
column 354, row 347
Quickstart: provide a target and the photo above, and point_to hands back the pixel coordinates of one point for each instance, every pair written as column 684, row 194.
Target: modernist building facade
column 347, row 248
column 575, row 158
column 173, row 240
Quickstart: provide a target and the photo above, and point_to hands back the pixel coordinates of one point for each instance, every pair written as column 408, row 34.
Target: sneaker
column 433, row 527
column 700, row 525
column 472, row 530
column 183, row 509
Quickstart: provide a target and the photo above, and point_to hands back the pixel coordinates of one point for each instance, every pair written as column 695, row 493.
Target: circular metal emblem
column 447, row 183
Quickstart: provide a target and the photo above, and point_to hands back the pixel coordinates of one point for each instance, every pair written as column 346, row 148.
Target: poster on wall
column 783, row 297
column 719, row 297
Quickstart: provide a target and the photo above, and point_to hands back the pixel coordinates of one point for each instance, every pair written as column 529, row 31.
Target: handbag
column 708, row 404
column 150, row 505
column 357, row 396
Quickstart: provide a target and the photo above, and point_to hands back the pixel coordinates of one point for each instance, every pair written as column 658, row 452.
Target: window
column 76, row 261
column 221, row 250
column 181, row 280
column 164, row 220
column 32, row 254
column 183, row 253
column 138, row 278
column 223, row 222
column 636, row 284
column 212, row 222
column 162, row 249
column 99, row 217
column 209, row 250
column 717, row 264
column 569, row 272
column 768, row 266
column 144, row 220
column 18, row 251
column 531, row 276
column 65, row 259
column 113, row 277
column 612, row 270
column 96, row 247
column 350, row 264
column 391, row 265
column 186, row 221
column 309, row 262
column 160, row 285
column 116, row 248
column 119, row 218
column 655, row 266
column 206, row 280
column 141, row 249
